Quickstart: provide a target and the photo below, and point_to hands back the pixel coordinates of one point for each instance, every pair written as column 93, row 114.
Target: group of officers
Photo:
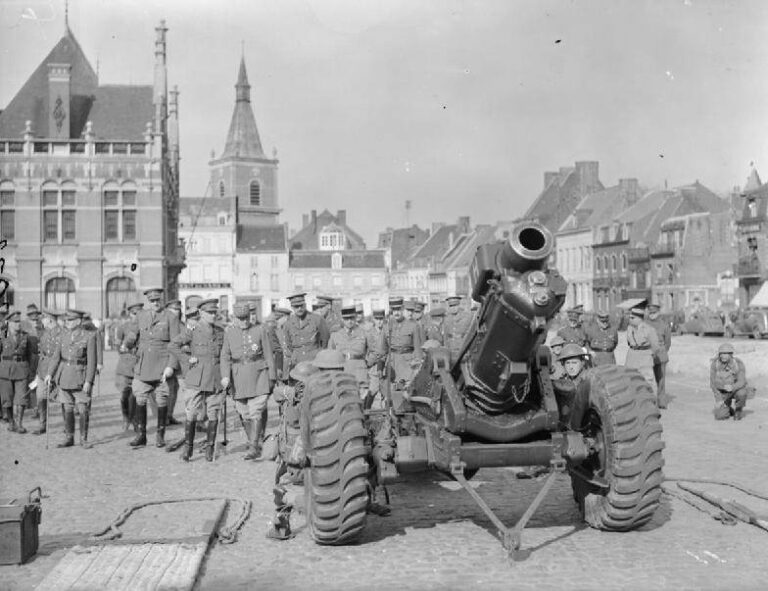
column 649, row 338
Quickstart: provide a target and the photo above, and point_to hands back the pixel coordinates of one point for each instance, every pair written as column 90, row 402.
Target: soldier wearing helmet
column 727, row 378
column 602, row 339
column 573, row 359
column 556, row 370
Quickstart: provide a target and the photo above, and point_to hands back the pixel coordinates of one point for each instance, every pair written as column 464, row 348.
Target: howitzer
column 494, row 405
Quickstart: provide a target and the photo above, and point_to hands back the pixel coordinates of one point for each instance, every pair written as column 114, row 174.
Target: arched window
column 623, row 262
column 599, row 264
column 119, row 291
column 255, row 193
column 60, row 293
column 613, row 262
column 221, row 189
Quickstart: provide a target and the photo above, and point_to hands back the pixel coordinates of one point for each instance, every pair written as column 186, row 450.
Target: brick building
column 89, row 178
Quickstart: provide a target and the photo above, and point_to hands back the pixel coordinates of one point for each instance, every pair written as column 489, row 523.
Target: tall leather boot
column 19, row 412
column 125, row 398
column 43, row 412
column 162, row 417
column 211, row 440
column 69, row 429
column 264, row 418
column 132, row 412
column 85, row 417
column 141, row 420
column 63, row 419
column 189, row 440
column 254, row 440
column 9, row 418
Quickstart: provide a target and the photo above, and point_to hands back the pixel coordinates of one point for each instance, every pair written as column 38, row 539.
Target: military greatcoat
column 304, row 337
column 602, row 342
column 156, row 329
column 18, row 365
column 248, row 361
column 402, row 339
column 204, row 342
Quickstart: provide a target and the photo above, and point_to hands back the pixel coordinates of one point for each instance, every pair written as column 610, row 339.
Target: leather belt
column 14, row 358
column 241, row 361
column 645, row 348
column 75, row 362
column 598, row 350
column 401, row 349
column 352, row 356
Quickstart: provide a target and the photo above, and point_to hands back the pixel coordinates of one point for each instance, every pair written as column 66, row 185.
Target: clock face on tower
column 58, row 113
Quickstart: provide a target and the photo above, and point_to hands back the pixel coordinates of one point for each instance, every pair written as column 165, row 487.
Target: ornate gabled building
column 89, row 178
column 752, row 238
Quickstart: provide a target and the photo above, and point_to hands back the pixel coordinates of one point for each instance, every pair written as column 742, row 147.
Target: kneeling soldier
column 198, row 350
column 74, row 366
column 248, row 364
column 727, row 378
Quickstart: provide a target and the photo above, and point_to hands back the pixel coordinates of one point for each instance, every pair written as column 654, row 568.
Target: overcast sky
column 458, row 107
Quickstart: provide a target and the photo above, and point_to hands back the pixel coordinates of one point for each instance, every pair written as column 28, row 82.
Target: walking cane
column 225, row 442
column 47, row 412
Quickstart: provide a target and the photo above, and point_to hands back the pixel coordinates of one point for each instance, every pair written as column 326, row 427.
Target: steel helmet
column 329, row 359
column 726, row 348
column 303, row 370
column 557, row 340
column 570, row 351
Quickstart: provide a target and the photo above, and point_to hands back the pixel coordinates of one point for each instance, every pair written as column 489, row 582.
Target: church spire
column 242, row 88
column 243, row 137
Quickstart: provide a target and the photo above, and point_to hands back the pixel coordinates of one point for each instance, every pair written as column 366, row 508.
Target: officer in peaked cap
column 198, row 352
column 18, row 365
column 248, row 365
column 174, row 307
column 353, row 343
column 573, row 332
column 455, row 326
column 408, row 307
column 643, row 345
column 664, row 332
column 375, row 356
column 47, row 343
column 324, row 308
column 126, row 338
column 433, row 328
column 73, row 368
column 306, row 333
column 401, row 339
column 602, row 339
column 556, row 369
column 154, row 364
column 728, row 380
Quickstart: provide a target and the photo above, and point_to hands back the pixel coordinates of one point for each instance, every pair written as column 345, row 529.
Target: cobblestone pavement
column 436, row 538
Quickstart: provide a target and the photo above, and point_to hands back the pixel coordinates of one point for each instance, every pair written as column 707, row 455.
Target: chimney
column 58, row 100
column 463, row 224
column 629, row 189
column 588, row 171
column 341, row 217
column 314, row 221
column 160, row 89
column 549, row 176
column 304, row 220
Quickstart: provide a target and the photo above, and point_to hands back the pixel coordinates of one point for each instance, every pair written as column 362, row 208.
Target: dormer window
column 752, row 204
column 222, row 217
column 332, row 238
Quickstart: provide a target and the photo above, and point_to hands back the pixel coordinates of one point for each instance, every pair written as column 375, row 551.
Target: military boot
column 738, row 414
column 63, row 419
column 19, row 412
column 141, row 419
column 211, row 439
column 254, row 440
column 162, row 417
column 9, row 418
column 43, row 411
column 69, row 429
column 132, row 412
column 85, row 417
column 189, row 440
column 124, row 409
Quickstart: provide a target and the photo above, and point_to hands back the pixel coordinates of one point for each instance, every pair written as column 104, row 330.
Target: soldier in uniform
column 47, row 343
column 174, row 307
column 418, row 317
column 664, row 332
column 324, row 308
column 359, row 317
column 125, row 338
column 643, row 346
column 573, row 359
column 33, row 326
column 18, row 366
column 728, row 380
column 198, row 351
column 602, row 339
column 401, row 340
column 375, row 355
column 73, row 368
column 556, row 370
column 306, row 333
column 88, row 325
column 248, row 365
column 433, row 328
column 154, row 364
column 574, row 331
column 352, row 342
column 455, row 326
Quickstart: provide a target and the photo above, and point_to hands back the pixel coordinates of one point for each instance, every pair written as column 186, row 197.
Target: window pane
column 110, row 224
column 8, row 225
column 68, row 198
column 51, row 223
column 68, row 221
column 120, row 148
column 255, row 193
column 7, row 198
column 129, row 197
column 110, row 198
column 50, row 198
column 129, row 225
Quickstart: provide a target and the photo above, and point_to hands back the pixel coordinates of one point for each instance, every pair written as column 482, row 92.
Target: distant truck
column 703, row 322
column 752, row 323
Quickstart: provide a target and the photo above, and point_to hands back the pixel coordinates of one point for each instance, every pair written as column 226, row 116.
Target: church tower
column 243, row 171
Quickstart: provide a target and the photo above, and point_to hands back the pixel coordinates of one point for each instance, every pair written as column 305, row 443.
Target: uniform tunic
column 731, row 374
column 47, row 343
column 643, row 345
column 156, row 329
column 602, row 342
column 275, row 334
column 74, row 364
column 402, row 340
column 247, row 360
column 664, row 332
column 202, row 379
column 573, row 334
column 304, row 337
column 353, row 344
column 18, row 365
column 455, row 328
column 126, row 337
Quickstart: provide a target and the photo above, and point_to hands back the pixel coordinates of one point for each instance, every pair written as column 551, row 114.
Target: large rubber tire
column 623, row 419
column 336, row 485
